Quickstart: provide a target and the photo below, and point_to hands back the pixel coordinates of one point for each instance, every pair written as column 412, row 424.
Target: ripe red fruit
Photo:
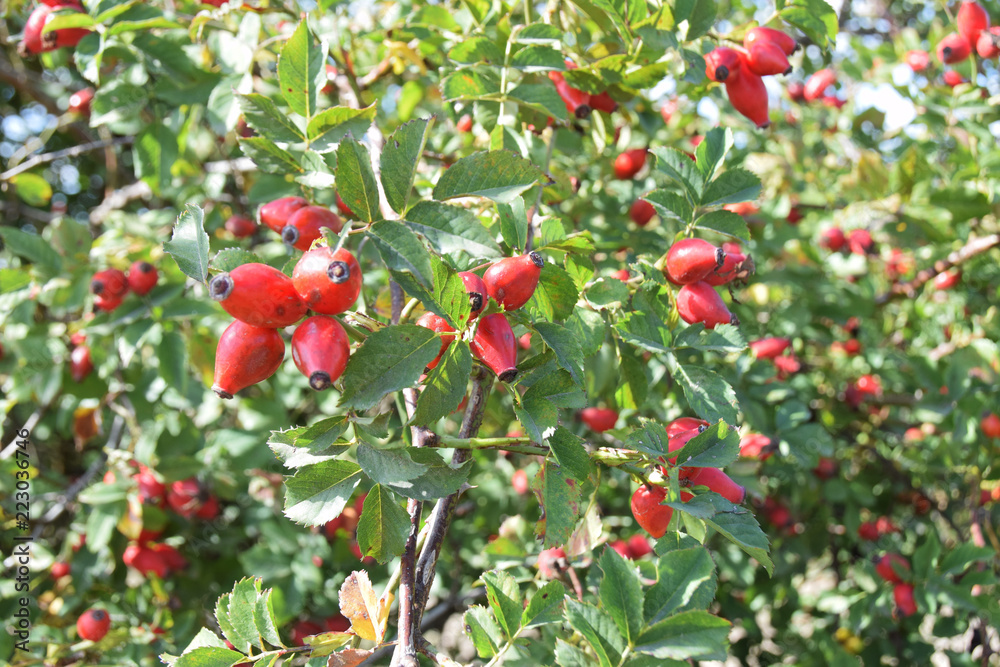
column 794, row 216
column 142, row 277
column 306, row 225
column 685, row 424
column 464, row 123
column 630, row 163
column 918, row 61
column 35, row 42
column 79, row 102
column 868, row 531
column 185, row 497
column 577, row 102
column 638, row 546
column 327, row 282
column 796, row 91
column 870, row 385
column 524, row 342
column 621, row 547
column 436, row 323
column 622, row 275
column 153, row 558
column 888, row 565
column 344, row 209
column 240, row 227
column 953, row 49
column 304, row 629
column 603, row 102
column 748, row 95
column 641, row 212
column 519, row 481
column 716, row 481
column 971, row 20
column 60, row 569
column 782, row 40
column 320, row 350
column 767, row 58
column 826, row 468
column 833, row 239
column 691, row 260
column 651, row 516
column 817, row 84
column 988, row 44
column 478, row 294
column 599, row 419
column 513, row 280
column 953, row 78
column 258, row 294
column 699, row 302
column 107, row 303
column 990, row 425
column 551, row 562
column 947, row 279
column 494, row 344
column 860, row 242
column 275, row 214
column 903, row 596
column 736, row 266
column 151, row 490
column 756, row 446
column 110, row 284
column 769, row 348
column 743, row 208
column 80, row 364
column 93, row 624
column 336, row 623
column 245, row 355
column 852, row 347
column 722, row 63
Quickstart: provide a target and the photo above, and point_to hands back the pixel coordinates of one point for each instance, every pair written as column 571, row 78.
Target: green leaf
column 671, row 205
column 589, row 329
column 695, row 635
column 598, row 629
column 210, row 656
column 452, row 232
column 724, row 222
column 384, row 525
column 356, row 181
column 474, row 50
column 31, row 247
column 568, row 655
column 724, row 338
column 173, row 360
column 570, row 453
column 240, row 620
column 189, row 243
column 716, row 447
column 448, row 297
column 264, row 619
column 621, row 594
column 565, row 346
column 155, row 151
column 732, row 186
column 302, row 71
column 318, row 493
column 328, row 127
column 263, row 115
column 685, row 581
column 439, row 481
column 484, row 632
column 707, row 393
column 62, row 20
column 816, row 18
column 513, row 223
column 497, row 175
column 544, row 607
column 470, row 84
column 679, row 167
column 963, row 555
column 647, row 76
column 390, row 359
column 633, row 386
column 538, row 58
column 400, row 158
column 538, row 412
column 32, row 189
column 505, row 600
column 268, row 156
column 737, row 525
column 700, row 15
column 309, row 444
column 388, row 466
column 401, row 250
column 555, row 297
column 650, row 438
column 541, row 97
column 713, row 150
column 229, row 258
column 560, row 503
column 445, row 386
column 644, row 330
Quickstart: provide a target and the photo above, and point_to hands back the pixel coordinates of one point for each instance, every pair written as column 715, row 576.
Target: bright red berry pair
column 630, row 163
column 299, row 223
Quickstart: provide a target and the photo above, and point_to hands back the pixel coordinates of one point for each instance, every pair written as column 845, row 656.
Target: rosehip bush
column 573, row 333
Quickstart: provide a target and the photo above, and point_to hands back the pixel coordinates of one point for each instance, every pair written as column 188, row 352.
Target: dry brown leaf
column 351, row 657
column 358, row 602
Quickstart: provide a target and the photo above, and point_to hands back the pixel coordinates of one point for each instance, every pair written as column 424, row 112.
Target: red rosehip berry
column 722, row 63
column 79, row 102
column 577, row 102
column 918, row 61
column 767, row 58
column 275, row 214
column 320, row 350
column 971, row 20
column 245, row 355
column 599, row 419
column 756, row 446
column 769, row 348
column 953, row 49
column 890, row 565
column 641, row 212
column 699, row 302
column 436, row 323
column 36, row 42
column 988, row 44
column 630, row 163
column 60, row 568
column 651, row 516
column 717, row 481
column 495, row 346
column 782, row 40
column 833, row 239
column 328, row 282
column 551, row 562
column 478, row 293
column 109, row 283
column 990, row 425
column 902, row 594
column 512, row 281
column 519, row 481
column 306, row 225
column 240, row 227
column 80, row 364
column 464, row 123
column 817, row 84
column 259, row 295
column 691, row 260
column 748, row 95
column 142, row 277
column 603, row 102
column 93, row 625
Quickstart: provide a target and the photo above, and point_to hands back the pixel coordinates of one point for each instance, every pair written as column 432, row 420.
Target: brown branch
column 444, row 509
column 963, row 254
column 72, row 151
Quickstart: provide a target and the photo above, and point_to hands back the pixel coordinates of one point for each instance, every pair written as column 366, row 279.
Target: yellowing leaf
column 358, row 602
column 351, row 657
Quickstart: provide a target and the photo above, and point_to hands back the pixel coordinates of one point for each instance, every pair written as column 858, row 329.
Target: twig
column 963, row 254
column 29, row 425
column 118, row 199
column 72, row 151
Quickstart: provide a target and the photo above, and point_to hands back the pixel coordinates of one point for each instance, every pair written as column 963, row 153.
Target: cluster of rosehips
column 895, row 569
column 510, row 282
column 856, row 241
column 765, row 52
column 80, row 364
column 699, row 267
column 872, row 530
column 866, row 386
column 774, row 350
column 110, row 286
column 578, row 103
column 649, row 513
column 34, row 41
column 974, row 34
